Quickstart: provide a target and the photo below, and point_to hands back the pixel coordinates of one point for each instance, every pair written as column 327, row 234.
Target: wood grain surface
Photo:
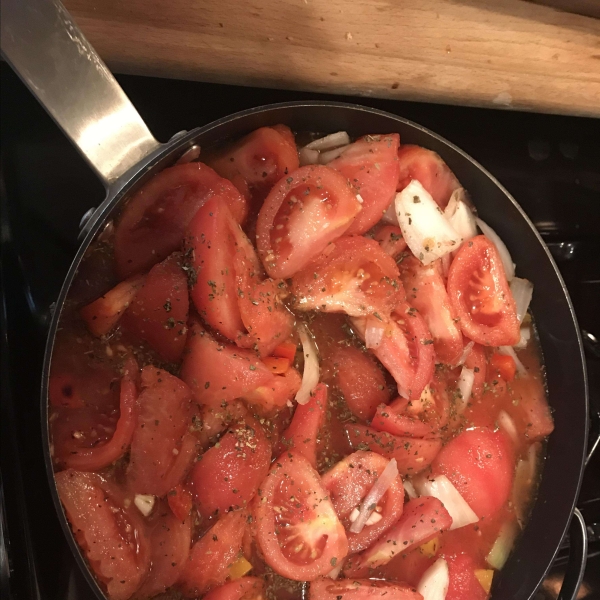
column 494, row 53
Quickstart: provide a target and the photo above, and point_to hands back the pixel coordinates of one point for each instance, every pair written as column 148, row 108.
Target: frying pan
column 47, row 50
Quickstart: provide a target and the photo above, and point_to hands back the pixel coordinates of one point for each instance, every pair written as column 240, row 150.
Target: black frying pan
column 44, row 46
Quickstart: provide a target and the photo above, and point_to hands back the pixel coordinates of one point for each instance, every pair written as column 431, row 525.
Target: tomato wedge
column 297, row 528
column 257, row 162
column 412, row 454
column 303, row 212
column 463, row 583
column 152, row 224
column 532, row 410
column 112, row 537
column 180, row 502
column 354, row 275
column 228, row 475
column 371, row 165
column 429, row 170
column 426, row 291
column 349, row 481
column 393, row 419
column 480, row 463
column 162, row 447
column 481, row 296
column 301, row 435
column 213, row 553
column 95, row 456
column 391, row 240
column 159, row 312
column 245, row 588
column 504, row 366
column 476, row 360
column 422, row 520
column 361, row 589
column 405, row 350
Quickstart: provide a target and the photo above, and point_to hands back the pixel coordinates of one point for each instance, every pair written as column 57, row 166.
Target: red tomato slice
column 180, row 502
column 391, row 240
column 480, row 295
column 213, row 553
column 354, row 275
column 95, row 456
column 422, row 520
column 257, row 162
column 480, row 464
column 412, row 455
column 393, row 420
column 303, row 212
column 426, row 291
column 104, row 313
column 360, row 380
column 245, row 588
column 429, row 170
column 297, row 529
column 153, row 223
column 159, row 312
column 371, row 165
column 349, row 481
column 170, row 542
column 463, row 583
column 276, row 365
column 532, row 412
column 476, row 360
column 406, row 350
column 113, row 538
column 361, row 589
column 162, row 448
column 228, row 475
column 504, row 365
column 219, row 374
column 301, row 435
column 286, row 350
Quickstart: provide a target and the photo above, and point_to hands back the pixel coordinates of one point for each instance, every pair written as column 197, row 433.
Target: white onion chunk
column 310, row 375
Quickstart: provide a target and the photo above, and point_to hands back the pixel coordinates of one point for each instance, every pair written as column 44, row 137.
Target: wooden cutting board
column 492, row 53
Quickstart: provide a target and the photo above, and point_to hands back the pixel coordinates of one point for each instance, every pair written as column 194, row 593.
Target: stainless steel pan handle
column 45, row 47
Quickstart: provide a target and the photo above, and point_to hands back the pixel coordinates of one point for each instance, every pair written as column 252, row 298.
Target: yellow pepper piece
column 430, row 548
column 239, row 568
column 485, row 576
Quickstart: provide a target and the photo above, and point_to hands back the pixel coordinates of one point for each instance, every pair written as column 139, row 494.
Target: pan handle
column 42, row 43
column 577, row 557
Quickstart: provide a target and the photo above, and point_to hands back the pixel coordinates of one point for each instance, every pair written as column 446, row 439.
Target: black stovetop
column 551, row 164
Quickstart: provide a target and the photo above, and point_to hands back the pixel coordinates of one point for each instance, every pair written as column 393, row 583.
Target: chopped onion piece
column 510, row 351
column 441, row 488
column 327, row 157
column 525, row 475
column 310, row 376
column 466, row 380
column 424, row 227
column 524, row 339
column 409, row 488
column 389, row 216
column 144, row 503
column 435, row 581
column 374, row 332
column 505, row 421
column 380, row 487
column 509, row 266
column 308, row 156
column 465, row 354
column 460, row 216
column 522, row 291
column 504, row 543
column 333, row 140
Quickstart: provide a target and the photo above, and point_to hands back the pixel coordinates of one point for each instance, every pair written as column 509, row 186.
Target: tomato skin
column 103, row 314
column 165, row 417
column 480, row 295
column 429, row 170
column 412, row 454
column 504, row 365
column 353, row 275
column 349, row 481
column 480, row 464
column 211, row 555
column 361, row 589
column 153, row 222
column 245, row 588
column 392, row 420
column 227, row 475
column 360, row 380
column 426, row 291
column 476, row 360
column 113, row 538
column 301, row 435
column 159, row 312
column 371, row 165
column 180, row 502
column 463, row 583
column 391, row 240
column 329, row 208
column 307, row 520
column 422, row 520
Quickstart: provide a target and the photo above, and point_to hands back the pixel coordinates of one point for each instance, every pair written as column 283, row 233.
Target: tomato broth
column 256, row 393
